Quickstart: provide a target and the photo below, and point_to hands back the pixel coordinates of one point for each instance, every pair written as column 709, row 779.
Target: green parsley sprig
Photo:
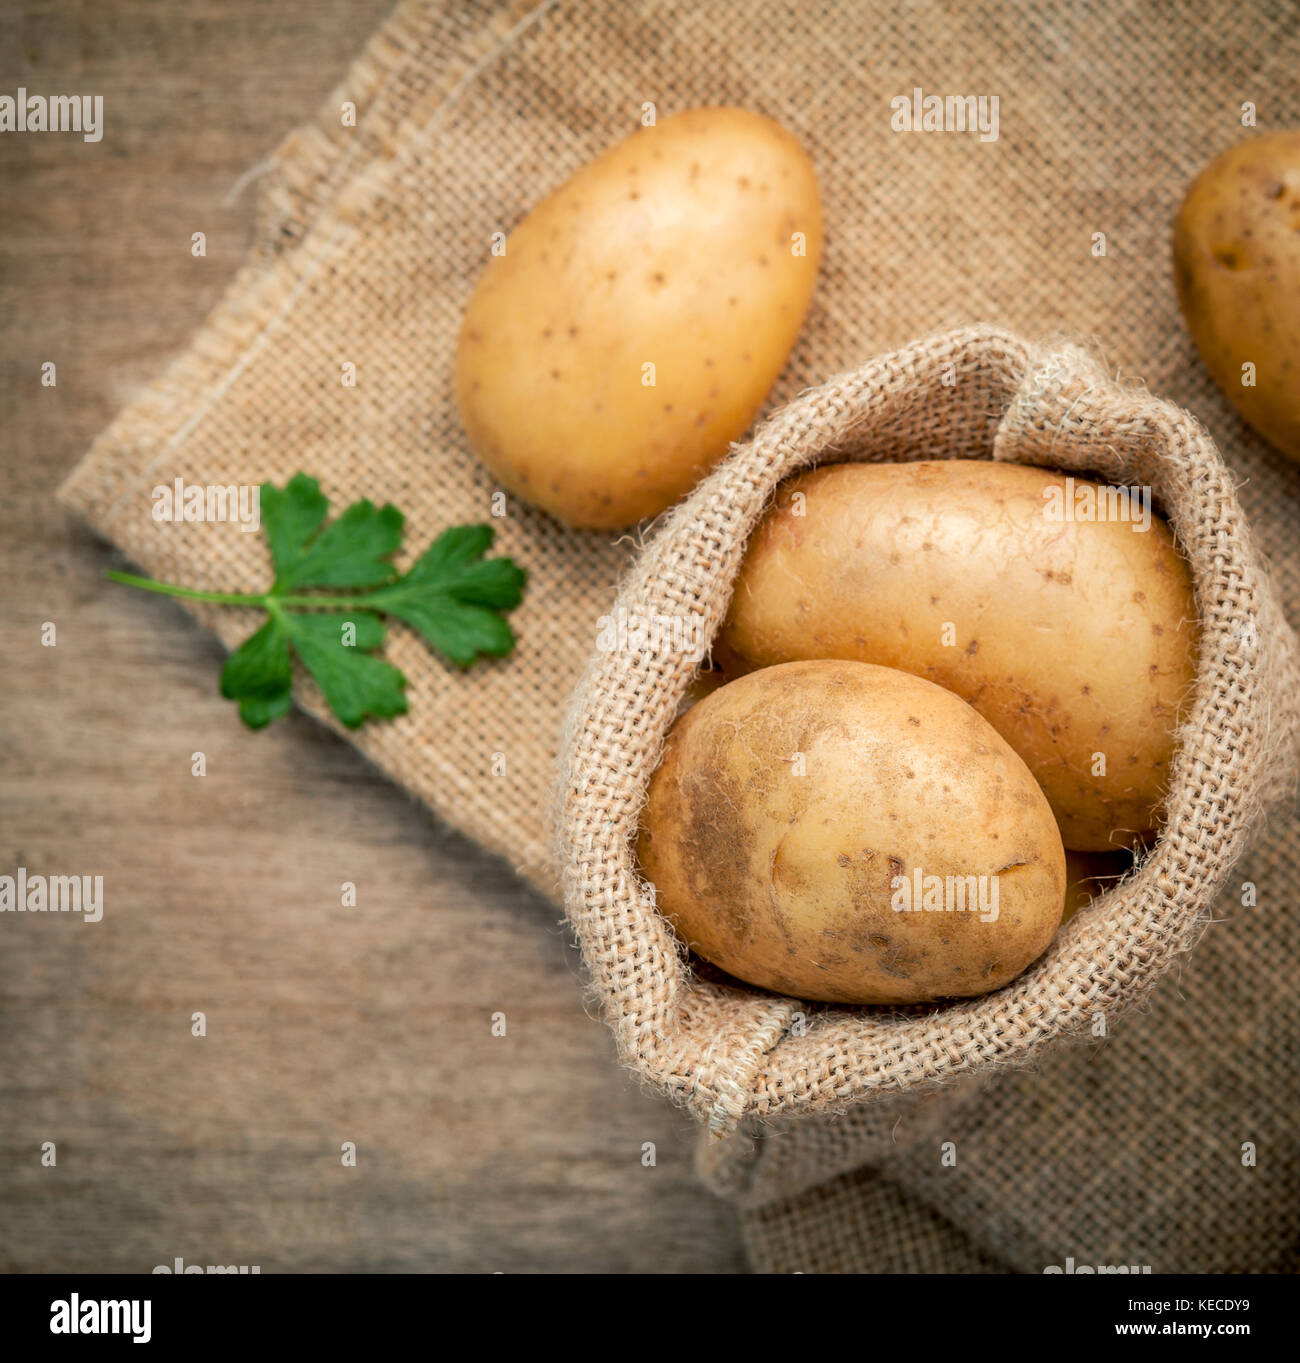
column 453, row 596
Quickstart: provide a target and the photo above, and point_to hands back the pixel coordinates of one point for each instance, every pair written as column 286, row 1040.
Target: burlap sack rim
column 738, row 1071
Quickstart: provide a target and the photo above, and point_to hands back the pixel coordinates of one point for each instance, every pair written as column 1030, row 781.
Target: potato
column 813, row 827
column 640, row 315
column 1237, row 264
column 1075, row 639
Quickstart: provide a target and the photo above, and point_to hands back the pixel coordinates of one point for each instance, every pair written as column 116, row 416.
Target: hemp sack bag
column 727, row 1052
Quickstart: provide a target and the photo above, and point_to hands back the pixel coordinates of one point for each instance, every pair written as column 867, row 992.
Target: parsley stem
column 147, row 584
column 262, row 600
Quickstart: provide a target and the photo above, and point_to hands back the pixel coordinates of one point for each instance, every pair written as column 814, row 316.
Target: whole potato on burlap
column 838, row 831
column 1237, row 266
column 639, row 316
column 1076, row 639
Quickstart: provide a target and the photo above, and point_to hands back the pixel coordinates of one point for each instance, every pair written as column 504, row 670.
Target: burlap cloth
column 369, row 239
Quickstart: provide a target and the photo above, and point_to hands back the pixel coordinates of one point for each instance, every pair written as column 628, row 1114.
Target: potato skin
column 779, row 868
column 674, row 248
column 1237, row 267
column 1070, row 638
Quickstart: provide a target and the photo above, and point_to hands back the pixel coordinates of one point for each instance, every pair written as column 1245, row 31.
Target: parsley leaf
column 453, row 596
column 259, row 675
column 352, row 551
column 338, row 654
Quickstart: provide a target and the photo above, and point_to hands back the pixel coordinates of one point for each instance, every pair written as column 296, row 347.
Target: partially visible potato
column 639, row 316
column 1237, row 265
column 793, row 807
column 1075, row 639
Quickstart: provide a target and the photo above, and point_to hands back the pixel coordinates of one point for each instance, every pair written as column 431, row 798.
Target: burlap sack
column 369, row 240
column 728, row 1053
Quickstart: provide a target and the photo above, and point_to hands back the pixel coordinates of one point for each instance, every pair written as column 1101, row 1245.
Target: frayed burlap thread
column 978, row 392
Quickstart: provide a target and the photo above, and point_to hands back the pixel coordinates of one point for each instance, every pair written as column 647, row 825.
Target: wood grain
column 325, row 1024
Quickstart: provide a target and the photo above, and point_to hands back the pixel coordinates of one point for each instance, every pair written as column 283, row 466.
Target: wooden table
column 325, row 1024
